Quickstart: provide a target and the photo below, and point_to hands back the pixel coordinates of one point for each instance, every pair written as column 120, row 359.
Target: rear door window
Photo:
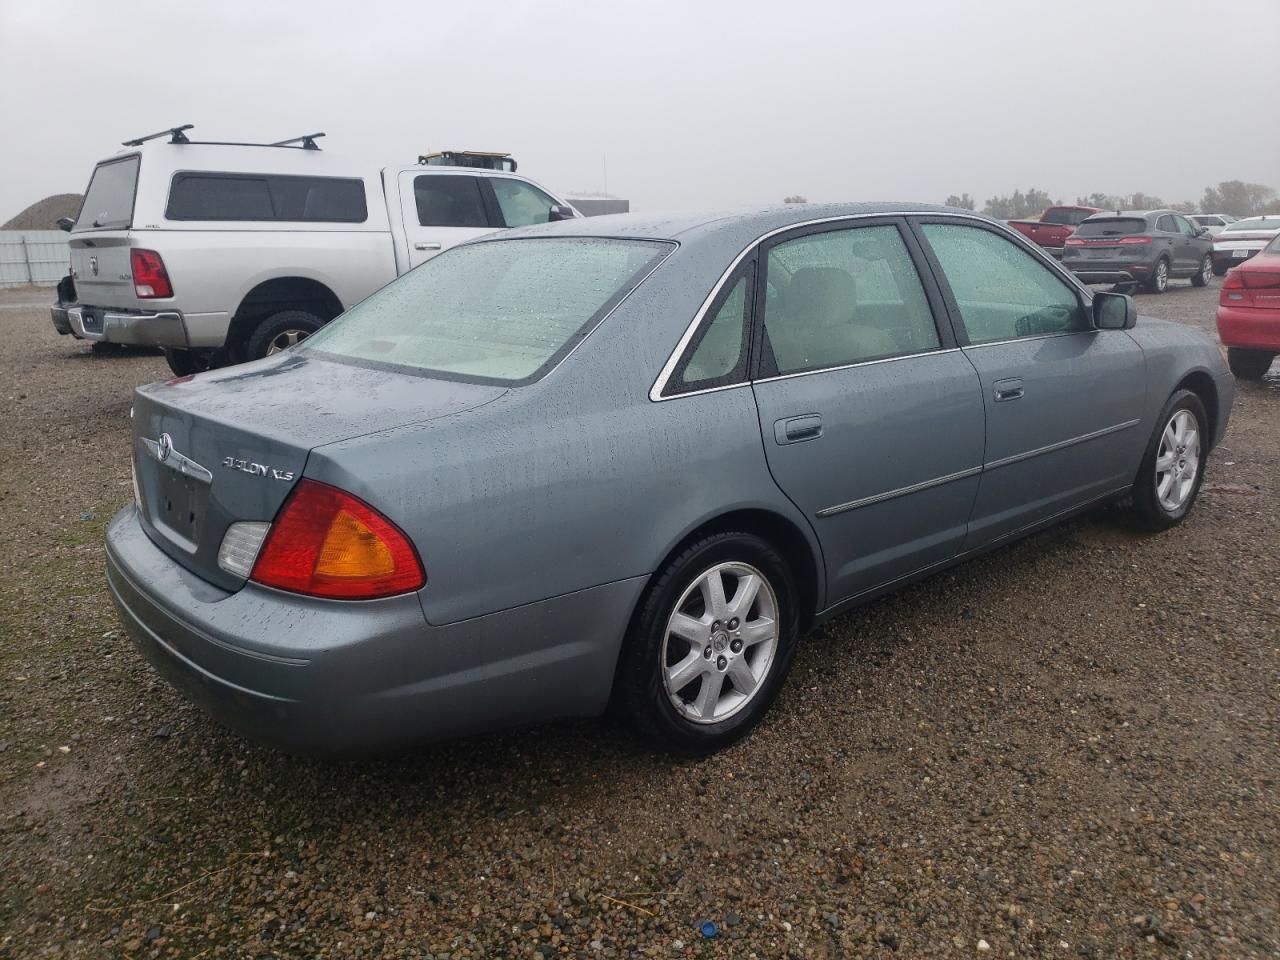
column 845, row 296
column 447, row 200
column 521, row 203
column 108, row 201
column 1166, row 224
column 1002, row 292
column 266, row 197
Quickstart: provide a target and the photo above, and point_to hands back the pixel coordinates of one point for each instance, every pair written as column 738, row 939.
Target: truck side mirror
column 1114, row 311
column 65, row 223
column 561, row 212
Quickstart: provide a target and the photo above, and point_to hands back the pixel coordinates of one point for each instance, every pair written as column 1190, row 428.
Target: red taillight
column 327, row 543
column 1073, row 242
column 150, row 279
column 1131, row 240
column 1259, row 279
column 1232, row 281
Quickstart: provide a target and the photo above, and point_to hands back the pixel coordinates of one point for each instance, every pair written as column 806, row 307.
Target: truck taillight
column 327, row 543
column 150, row 279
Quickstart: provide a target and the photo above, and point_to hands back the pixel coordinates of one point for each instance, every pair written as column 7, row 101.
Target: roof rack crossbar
column 308, row 141
column 175, row 135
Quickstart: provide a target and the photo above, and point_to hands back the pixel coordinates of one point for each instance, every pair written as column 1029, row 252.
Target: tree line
column 1235, row 197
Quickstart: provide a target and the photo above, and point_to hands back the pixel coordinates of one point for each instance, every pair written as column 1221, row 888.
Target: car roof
column 749, row 222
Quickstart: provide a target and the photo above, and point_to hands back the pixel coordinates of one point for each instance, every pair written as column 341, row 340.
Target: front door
column 441, row 210
column 872, row 420
column 1063, row 400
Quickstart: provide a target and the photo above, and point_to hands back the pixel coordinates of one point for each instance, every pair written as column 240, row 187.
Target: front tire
column 1158, row 282
column 1202, row 276
column 1249, row 364
column 710, row 645
column 1173, row 468
column 279, row 332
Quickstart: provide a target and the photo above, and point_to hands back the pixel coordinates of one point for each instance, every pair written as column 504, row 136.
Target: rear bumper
column 1249, row 328
column 163, row 328
column 328, row 677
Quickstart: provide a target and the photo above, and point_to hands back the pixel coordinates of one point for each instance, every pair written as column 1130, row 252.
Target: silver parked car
column 632, row 460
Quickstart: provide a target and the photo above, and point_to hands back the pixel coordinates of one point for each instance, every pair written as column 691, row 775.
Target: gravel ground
column 1065, row 749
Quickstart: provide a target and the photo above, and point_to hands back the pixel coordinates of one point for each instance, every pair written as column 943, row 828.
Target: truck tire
column 1249, row 364
column 279, row 332
column 1159, row 280
column 184, row 363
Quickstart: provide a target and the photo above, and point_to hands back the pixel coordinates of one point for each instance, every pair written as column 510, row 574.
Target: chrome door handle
column 425, row 245
column 795, row 429
column 1008, row 390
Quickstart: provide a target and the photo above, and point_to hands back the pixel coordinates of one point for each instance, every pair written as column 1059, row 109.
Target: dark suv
column 1140, row 246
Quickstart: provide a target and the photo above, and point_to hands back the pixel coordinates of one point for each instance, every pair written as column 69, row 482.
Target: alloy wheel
column 1177, row 460
column 720, row 643
column 1162, row 275
column 286, row 339
column 1206, row 270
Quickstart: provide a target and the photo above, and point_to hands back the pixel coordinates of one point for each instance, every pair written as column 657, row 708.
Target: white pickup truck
column 227, row 252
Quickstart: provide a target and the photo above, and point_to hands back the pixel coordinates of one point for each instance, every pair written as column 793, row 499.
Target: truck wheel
column 184, row 363
column 279, row 332
column 1201, row 277
column 1159, row 280
column 1249, row 364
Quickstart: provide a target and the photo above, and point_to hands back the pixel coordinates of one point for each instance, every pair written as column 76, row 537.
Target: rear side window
column 449, row 201
column 718, row 356
column 521, row 204
column 266, row 197
column 1112, row 227
column 1003, row 293
column 108, row 202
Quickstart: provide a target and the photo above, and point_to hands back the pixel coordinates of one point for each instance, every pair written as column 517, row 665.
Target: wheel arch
column 272, row 295
column 1201, row 383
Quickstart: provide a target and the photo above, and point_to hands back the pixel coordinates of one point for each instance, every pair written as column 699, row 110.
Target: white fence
column 33, row 256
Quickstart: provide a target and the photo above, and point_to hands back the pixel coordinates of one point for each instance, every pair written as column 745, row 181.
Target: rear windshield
column 1260, row 223
column 266, row 197
column 503, row 311
column 1065, row 215
column 1111, row 227
column 108, row 203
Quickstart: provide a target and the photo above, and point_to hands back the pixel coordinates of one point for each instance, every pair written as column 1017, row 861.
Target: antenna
column 175, row 134
column 308, row 141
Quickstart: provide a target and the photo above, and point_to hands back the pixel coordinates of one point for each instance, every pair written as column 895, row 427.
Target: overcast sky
column 687, row 104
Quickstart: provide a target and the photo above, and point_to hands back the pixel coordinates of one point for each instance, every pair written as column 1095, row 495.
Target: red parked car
column 1054, row 226
column 1249, row 313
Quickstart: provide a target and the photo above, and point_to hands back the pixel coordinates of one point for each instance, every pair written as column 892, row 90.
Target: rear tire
column 279, row 332
column 1249, row 364
column 1158, row 282
column 1202, row 276
column 1173, row 468
column 697, row 694
column 184, row 363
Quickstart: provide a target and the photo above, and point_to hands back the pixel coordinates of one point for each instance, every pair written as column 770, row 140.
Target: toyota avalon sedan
column 632, row 461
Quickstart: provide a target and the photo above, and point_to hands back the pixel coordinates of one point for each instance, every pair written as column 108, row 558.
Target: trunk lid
column 230, row 445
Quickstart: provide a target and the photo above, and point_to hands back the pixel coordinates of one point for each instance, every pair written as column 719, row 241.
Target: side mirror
column 65, row 223
column 559, row 212
column 1114, row 311
column 1201, row 231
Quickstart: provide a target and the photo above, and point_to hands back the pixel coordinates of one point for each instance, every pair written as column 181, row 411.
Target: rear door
column 441, row 210
column 1063, row 400
column 100, row 238
column 872, row 420
column 1180, row 255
